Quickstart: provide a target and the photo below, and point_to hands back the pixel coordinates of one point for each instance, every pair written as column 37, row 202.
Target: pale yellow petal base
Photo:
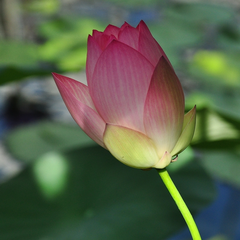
column 130, row 147
column 164, row 161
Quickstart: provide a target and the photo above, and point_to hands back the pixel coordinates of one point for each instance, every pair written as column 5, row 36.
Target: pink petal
column 148, row 46
column 129, row 36
column 120, row 84
column 77, row 89
column 96, row 34
column 78, row 101
column 124, row 25
column 93, row 53
column 112, row 30
column 164, row 108
column 102, row 39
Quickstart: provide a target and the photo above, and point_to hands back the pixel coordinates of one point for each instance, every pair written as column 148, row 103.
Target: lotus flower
column 133, row 104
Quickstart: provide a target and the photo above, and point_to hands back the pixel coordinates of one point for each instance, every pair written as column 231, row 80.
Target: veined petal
column 164, row 108
column 129, row 36
column 102, row 39
column 96, row 34
column 164, row 161
column 187, row 132
column 124, row 26
column 77, row 89
column 148, row 46
column 112, row 30
column 130, row 147
column 119, row 86
column 77, row 99
column 93, row 53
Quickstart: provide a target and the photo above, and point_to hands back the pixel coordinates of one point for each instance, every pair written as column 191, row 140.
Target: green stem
column 180, row 203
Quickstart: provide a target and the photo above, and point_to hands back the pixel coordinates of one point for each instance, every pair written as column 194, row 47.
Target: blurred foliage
column 218, row 237
column 51, row 173
column 217, row 138
column 64, row 49
column 96, row 192
column 185, row 26
column 43, row 6
column 31, row 142
column 19, row 60
column 224, row 69
column 67, row 42
column 135, row 3
column 18, row 54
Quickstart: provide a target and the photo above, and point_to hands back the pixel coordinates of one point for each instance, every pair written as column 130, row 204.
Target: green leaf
column 67, row 41
column 215, row 130
column 44, row 6
column 134, row 3
column 224, row 164
column 18, row 54
column 30, row 142
column 19, row 60
column 220, row 67
column 51, row 172
column 11, row 73
column 202, row 13
column 101, row 199
column 167, row 31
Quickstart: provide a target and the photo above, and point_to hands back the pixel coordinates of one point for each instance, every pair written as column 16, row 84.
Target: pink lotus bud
column 134, row 103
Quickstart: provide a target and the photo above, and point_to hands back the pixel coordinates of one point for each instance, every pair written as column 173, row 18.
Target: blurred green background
column 56, row 183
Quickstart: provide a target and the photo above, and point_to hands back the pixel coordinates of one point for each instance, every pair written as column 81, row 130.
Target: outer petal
column 95, row 47
column 77, row 89
column 129, row 36
column 130, row 147
column 164, row 108
column 78, row 101
column 148, row 46
column 187, row 132
column 93, row 53
column 120, row 84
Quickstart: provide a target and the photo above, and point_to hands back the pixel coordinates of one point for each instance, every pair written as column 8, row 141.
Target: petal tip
column 187, row 132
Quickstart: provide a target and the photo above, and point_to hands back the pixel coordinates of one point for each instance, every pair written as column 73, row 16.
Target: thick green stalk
column 180, row 203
